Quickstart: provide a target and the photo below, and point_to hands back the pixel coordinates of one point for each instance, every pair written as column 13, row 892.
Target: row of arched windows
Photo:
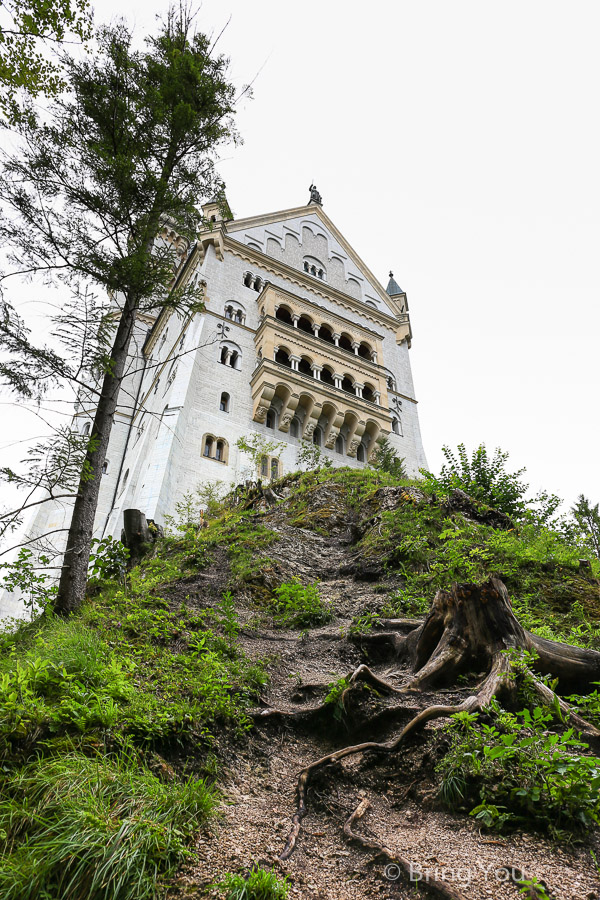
column 317, row 436
column 314, row 269
column 326, row 375
column 215, row 448
column 235, row 312
column 255, row 282
column 270, row 467
column 343, row 340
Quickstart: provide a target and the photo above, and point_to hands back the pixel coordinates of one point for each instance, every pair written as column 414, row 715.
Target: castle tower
column 298, row 341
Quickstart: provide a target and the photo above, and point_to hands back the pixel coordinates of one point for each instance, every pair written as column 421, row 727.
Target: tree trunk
column 73, row 579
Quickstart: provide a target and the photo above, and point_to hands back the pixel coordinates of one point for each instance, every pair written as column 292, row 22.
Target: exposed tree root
column 431, row 885
column 470, row 628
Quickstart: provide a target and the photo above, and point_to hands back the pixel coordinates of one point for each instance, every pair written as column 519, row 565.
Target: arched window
column 264, row 467
column 294, row 427
column 220, row 451
column 327, row 375
column 283, row 314
column 224, row 402
column 360, row 453
column 368, row 394
column 397, row 427
column 364, row 350
column 124, row 481
column 229, row 312
column 105, row 467
column 306, row 266
column 339, row 444
column 274, row 468
column 305, row 366
column 391, row 383
column 317, row 436
column 313, row 270
column 270, row 422
column 346, row 343
column 86, row 428
column 248, row 278
column 258, row 284
column 208, row 447
column 223, row 356
column 282, row 357
column 304, row 324
column 239, row 316
column 348, row 385
column 233, row 361
column 326, row 334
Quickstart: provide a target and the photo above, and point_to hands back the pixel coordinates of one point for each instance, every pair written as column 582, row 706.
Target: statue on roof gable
column 315, row 196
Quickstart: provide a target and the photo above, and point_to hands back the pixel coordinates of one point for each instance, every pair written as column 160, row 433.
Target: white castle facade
column 298, row 342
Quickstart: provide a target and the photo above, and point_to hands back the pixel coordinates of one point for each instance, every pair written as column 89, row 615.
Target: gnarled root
column 469, row 627
column 396, row 863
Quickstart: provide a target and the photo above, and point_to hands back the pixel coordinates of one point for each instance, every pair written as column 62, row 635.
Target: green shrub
column 296, row 606
column 524, row 773
column 94, row 828
column 259, row 885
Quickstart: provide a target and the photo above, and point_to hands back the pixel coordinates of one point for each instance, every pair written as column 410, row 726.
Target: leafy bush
column 482, row 477
column 296, row 606
column 387, row 460
column 95, row 828
column 524, row 773
column 259, row 885
column 108, row 559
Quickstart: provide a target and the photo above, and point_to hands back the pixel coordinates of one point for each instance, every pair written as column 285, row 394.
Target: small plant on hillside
column 296, row 606
column 483, row 477
column 258, row 885
column 524, row 773
column 258, row 447
column 108, row 560
column 335, row 696
column 32, row 582
column 387, row 460
column 210, row 495
column 588, row 520
column 310, row 457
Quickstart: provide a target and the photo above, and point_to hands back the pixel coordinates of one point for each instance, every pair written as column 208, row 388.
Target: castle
column 298, row 342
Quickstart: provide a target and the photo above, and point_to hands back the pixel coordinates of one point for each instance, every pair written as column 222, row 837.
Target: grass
column 94, row 828
column 258, row 885
column 297, row 606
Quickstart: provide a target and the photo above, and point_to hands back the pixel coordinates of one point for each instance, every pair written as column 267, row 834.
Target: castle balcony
column 334, row 415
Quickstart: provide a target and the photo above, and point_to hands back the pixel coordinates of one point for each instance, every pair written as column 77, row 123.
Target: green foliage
column 387, row 460
column 335, row 696
column 258, row 885
column 24, row 576
column 256, row 447
column 310, row 457
column 297, row 606
column 108, row 559
column 525, row 774
column 210, row 497
column 482, row 477
column 587, row 705
column 588, row 520
column 94, row 827
column 23, row 64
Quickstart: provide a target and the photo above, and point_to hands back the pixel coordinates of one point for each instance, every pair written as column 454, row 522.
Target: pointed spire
column 393, row 287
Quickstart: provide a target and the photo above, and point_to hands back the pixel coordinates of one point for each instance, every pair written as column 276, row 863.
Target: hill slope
column 228, row 657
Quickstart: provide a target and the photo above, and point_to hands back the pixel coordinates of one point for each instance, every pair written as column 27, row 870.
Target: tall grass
column 94, row 829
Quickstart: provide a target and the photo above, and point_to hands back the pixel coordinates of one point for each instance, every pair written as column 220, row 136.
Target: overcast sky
column 457, row 144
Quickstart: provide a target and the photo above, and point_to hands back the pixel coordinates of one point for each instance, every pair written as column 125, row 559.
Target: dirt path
column 258, row 788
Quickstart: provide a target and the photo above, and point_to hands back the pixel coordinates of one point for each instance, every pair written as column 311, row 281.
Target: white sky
column 456, row 143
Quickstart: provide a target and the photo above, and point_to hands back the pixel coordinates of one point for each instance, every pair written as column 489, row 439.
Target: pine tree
column 131, row 144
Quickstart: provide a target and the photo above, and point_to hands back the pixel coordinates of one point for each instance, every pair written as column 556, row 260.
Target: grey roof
column 393, row 287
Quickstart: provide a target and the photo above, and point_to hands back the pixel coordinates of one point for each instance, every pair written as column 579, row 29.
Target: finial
column 315, row 196
column 391, row 274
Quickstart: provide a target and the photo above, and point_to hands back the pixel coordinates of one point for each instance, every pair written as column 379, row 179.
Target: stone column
column 377, row 397
column 358, row 389
column 336, row 338
column 316, row 370
column 228, row 353
column 337, row 380
column 316, row 329
column 275, row 352
column 295, row 319
column 295, row 361
column 355, row 346
column 374, row 356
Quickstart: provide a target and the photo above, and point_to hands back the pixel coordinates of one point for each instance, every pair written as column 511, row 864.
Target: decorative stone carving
column 331, row 438
column 354, row 445
column 285, row 420
column 261, row 414
column 308, row 431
